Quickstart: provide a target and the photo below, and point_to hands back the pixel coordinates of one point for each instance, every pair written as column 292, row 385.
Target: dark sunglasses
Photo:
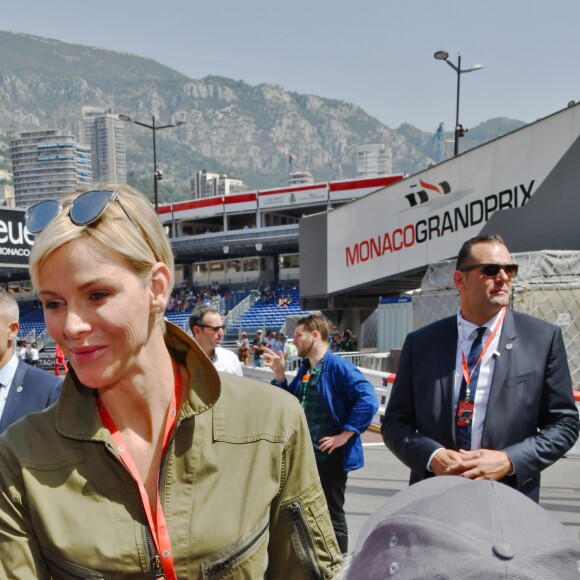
column 213, row 328
column 492, row 270
column 85, row 209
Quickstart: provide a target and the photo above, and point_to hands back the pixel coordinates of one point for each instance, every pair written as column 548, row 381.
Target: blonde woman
column 151, row 464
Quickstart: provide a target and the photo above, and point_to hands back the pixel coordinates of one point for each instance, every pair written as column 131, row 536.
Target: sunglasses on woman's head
column 84, row 210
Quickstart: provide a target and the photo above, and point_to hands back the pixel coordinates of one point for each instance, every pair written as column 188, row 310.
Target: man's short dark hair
column 196, row 318
column 465, row 251
column 316, row 322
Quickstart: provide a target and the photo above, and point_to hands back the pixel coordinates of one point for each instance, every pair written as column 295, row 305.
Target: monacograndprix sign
column 425, row 218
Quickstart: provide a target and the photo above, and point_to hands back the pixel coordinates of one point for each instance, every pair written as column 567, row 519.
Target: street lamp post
column 443, row 55
column 157, row 175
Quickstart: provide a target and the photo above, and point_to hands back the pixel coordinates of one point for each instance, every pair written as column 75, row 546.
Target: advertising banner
column 425, row 218
column 15, row 240
column 293, row 196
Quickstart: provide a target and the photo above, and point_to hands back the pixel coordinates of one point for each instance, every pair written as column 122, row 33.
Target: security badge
column 465, row 410
column 465, row 407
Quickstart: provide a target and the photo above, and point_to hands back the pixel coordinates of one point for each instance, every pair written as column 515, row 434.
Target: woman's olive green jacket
column 239, row 487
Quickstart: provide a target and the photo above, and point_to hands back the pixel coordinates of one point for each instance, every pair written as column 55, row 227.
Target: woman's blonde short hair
column 141, row 241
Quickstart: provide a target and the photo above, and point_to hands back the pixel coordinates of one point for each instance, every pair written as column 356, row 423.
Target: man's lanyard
column 157, row 523
column 311, row 376
column 466, row 374
column 305, row 381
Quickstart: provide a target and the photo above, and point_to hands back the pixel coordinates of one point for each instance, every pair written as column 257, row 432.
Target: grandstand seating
column 31, row 319
column 180, row 319
column 268, row 314
column 263, row 314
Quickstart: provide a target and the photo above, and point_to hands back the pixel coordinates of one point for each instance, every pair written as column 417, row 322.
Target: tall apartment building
column 47, row 164
column 104, row 133
column 6, row 189
column 205, row 184
column 7, row 195
column 372, row 160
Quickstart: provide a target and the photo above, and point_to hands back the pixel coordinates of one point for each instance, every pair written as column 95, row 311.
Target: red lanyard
column 157, row 523
column 466, row 374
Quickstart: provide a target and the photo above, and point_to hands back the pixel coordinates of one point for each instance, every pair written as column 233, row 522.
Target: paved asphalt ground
column 384, row 475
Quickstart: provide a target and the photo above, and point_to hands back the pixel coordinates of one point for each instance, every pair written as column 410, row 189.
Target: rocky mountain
column 230, row 126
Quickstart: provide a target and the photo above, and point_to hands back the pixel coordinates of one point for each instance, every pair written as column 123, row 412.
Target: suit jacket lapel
column 13, row 399
column 507, row 344
column 447, row 354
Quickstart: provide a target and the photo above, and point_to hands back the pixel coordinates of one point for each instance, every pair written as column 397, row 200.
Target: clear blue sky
column 377, row 54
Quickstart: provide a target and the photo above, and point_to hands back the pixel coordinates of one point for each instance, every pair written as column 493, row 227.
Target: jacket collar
column 76, row 414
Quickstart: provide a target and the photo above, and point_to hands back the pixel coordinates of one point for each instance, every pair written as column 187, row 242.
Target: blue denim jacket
column 350, row 397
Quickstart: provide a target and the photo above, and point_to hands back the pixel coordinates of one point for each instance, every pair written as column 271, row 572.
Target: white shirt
column 7, row 373
column 225, row 360
column 466, row 335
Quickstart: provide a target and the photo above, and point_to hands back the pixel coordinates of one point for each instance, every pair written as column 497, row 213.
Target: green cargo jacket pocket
column 236, row 560
column 64, row 570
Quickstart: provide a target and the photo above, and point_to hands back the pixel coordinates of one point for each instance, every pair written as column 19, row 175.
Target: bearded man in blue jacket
column 339, row 404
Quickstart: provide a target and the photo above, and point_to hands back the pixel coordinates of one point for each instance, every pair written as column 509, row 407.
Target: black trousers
column 333, row 480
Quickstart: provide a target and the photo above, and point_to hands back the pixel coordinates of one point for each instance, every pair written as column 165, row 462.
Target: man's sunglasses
column 85, row 209
column 493, row 270
column 213, row 328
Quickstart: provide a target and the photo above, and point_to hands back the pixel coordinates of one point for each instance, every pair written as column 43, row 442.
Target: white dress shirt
column 466, row 335
column 225, row 360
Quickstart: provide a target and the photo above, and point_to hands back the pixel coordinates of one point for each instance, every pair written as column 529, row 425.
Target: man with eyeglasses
column 339, row 404
column 487, row 393
column 207, row 327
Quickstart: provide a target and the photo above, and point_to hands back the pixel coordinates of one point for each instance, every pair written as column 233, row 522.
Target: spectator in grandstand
column 258, row 348
column 21, row 349
column 348, row 343
column 148, row 443
column 339, row 404
column 32, row 355
column 278, row 346
column 284, row 302
column 290, row 355
column 243, row 348
column 270, row 340
column 207, row 327
column 336, row 342
column 23, row 388
column 190, row 299
column 485, row 393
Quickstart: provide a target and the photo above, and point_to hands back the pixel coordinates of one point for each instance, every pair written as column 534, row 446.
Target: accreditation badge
column 465, row 410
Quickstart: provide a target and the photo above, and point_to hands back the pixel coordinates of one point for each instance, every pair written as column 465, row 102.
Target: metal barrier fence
column 374, row 361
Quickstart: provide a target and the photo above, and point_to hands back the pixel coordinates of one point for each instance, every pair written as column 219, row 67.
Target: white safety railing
column 237, row 311
column 373, row 361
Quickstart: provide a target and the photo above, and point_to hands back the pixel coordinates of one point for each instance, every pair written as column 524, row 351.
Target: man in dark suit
column 485, row 394
column 23, row 388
